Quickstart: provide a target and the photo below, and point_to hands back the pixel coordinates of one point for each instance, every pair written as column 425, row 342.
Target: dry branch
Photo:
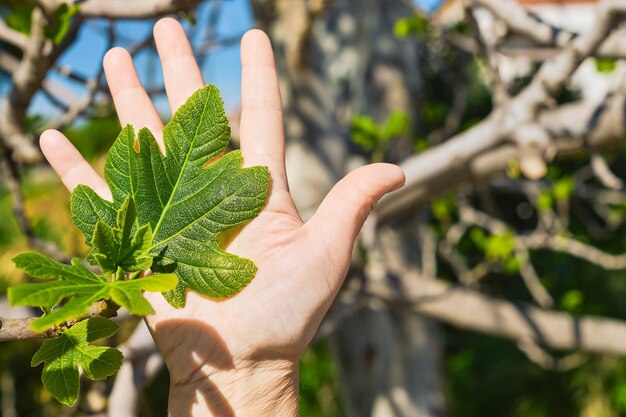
column 488, row 147
column 471, row 310
column 18, row 329
column 40, row 54
column 11, row 36
column 137, row 9
column 575, row 248
column 519, row 21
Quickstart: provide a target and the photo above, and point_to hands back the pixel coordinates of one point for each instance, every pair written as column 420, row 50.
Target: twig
column 210, row 33
column 12, row 36
column 8, row 63
column 536, row 289
column 542, row 358
column 532, row 281
column 574, row 248
column 599, row 166
column 490, row 56
column 474, row 311
column 93, row 87
column 520, row 21
column 457, row 263
column 138, row 9
column 429, row 250
column 147, row 42
column 603, row 172
column 39, row 55
column 19, row 329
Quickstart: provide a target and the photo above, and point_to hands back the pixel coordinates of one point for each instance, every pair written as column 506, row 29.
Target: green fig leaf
column 81, row 287
column 185, row 197
column 118, row 246
column 63, row 355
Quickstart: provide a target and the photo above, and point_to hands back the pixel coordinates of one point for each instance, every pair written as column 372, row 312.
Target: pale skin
column 239, row 357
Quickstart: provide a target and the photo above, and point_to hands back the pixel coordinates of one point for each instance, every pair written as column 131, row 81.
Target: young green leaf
column 185, row 197
column 60, row 23
column 63, row 355
column 117, row 247
column 82, row 287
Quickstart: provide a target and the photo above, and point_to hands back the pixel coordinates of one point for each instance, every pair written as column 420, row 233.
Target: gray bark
column 336, row 62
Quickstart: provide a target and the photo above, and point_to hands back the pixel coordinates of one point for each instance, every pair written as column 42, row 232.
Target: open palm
column 300, row 265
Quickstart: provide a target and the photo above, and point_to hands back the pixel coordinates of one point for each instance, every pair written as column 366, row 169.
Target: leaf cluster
column 374, row 137
column 57, row 27
column 166, row 214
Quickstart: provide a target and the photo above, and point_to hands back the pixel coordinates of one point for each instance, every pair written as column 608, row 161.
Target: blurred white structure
column 517, row 54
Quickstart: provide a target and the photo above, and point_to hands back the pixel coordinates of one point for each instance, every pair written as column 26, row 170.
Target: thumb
column 341, row 215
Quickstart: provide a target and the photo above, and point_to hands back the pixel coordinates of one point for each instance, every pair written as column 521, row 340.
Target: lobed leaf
column 63, row 355
column 82, row 287
column 117, row 247
column 185, row 198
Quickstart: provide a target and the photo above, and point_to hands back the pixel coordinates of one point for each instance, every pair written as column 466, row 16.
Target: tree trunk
column 336, row 60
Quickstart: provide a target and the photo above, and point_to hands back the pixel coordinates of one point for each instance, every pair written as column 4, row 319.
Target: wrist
column 251, row 388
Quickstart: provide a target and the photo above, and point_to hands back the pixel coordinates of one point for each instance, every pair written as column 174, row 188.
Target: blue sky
column 428, row 5
column 222, row 67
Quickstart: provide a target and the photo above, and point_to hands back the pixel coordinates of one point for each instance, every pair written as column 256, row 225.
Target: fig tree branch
column 520, row 21
column 487, row 148
column 123, row 9
column 472, row 310
column 18, row 329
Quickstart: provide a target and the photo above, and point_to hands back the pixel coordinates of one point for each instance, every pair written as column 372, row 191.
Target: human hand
column 239, row 356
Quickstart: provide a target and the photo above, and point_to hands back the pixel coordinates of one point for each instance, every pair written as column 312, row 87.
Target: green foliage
column 560, row 192
column 434, row 113
column 8, row 228
column 443, row 208
column 500, row 246
column 497, row 247
column 19, row 17
column 57, row 29
column 420, row 145
column 563, row 189
column 572, row 300
column 117, row 247
column 414, row 25
column 83, row 287
column 545, row 201
column 185, row 199
column 319, row 383
column 376, row 138
column 397, row 124
column 63, row 355
column 166, row 215
column 513, row 169
column 365, row 132
column 605, row 65
column 94, row 137
column 190, row 16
